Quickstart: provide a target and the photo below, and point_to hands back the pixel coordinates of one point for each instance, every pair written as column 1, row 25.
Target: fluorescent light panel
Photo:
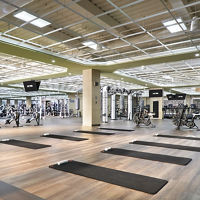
column 91, row 44
column 172, row 22
column 40, row 23
column 173, row 26
column 25, row 16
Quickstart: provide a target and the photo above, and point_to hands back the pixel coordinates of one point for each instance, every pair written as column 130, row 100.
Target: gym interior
column 99, row 99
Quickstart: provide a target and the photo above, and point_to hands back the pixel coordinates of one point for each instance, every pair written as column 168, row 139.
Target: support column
column 130, row 107
column 91, row 98
column 16, row 102
column 188, row 100
column 160, row 104
column 28, row 102
column 156, row 102
column 113, row 106
column 8, row 101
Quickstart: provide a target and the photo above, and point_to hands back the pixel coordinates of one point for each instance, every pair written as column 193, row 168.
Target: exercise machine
column 14, row 117
column 142, row 116
column 182, row 119
column 35, row 117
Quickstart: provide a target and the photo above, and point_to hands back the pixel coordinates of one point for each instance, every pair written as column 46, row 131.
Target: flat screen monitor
column 155, row 93
column 31, row 86
column 171, row 97
column 180, row 96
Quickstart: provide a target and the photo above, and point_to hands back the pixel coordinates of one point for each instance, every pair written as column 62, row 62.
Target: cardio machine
column 182, row 119
column 15, row 116
column 35, row 117
column 143, row 117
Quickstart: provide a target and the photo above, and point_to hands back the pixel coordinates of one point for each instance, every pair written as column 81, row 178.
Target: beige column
column 160, row 101
column 28, row 102
column 91, row 98
column 188, row 100
column 16, row 102
column 8, row 101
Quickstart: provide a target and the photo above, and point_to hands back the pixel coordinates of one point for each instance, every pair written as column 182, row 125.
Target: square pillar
column 156, row 102
column 28, row 102
column 8, row 101
column 16, row 102
column 160, row 105
column 91, row 98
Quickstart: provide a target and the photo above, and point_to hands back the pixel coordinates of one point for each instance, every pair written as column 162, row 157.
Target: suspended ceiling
column 130, row 34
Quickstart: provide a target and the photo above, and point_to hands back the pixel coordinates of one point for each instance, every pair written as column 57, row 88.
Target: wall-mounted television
column 171, row 97
column 31, row 86
column 180, row 96
column 155, row 93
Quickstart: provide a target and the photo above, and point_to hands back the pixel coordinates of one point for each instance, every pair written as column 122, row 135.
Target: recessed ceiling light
column 197, row 54
column 25, row 16
column 172, row 22
column 91, row 44
column 53, row 61
column 70, row 73
column 175, row 27
column 40, row 23
column 167, row 77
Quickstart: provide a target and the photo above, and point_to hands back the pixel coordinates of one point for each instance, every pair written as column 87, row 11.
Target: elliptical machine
column 181, row 119
column 36, row 117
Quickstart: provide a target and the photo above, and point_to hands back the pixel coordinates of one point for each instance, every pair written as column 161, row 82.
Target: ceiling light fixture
column 167, row 77
column 40, row 23
column 27, row 17
column 173, row 26
column 197, row 54
column 91, row 44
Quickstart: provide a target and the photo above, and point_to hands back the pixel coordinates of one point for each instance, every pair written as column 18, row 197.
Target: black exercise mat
column 25, row 144
column 10, row 192
column 115, row 129
column 170, row 146
column 63, row 137
column 149, row 156
column 125, row 179
column 94, row 132
column 178, row 137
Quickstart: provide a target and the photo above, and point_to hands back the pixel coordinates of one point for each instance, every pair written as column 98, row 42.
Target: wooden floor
column 28, row 169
